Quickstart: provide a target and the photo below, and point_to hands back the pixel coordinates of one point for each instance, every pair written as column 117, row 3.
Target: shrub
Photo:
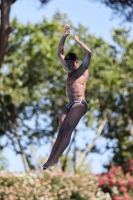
column 118, row 182
column 50, row 185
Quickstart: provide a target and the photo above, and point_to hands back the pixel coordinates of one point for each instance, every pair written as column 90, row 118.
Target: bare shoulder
column 86, row 72
column 83, row 72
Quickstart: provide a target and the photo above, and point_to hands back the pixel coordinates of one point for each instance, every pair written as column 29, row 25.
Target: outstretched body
column 75, row 91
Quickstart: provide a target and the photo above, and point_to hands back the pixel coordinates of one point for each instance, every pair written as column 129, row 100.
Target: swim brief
column 71, row 103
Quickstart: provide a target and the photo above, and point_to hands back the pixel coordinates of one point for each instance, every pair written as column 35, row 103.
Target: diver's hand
column 66, row 31
column 76, row 38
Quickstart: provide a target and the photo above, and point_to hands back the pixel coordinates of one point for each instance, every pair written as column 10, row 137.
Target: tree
column 32, row 81
column 20, row 86
column 122, row 8
column 5, row 29
column 3, row 162
column 30, row 89
column 120, row 125
column 112, row 89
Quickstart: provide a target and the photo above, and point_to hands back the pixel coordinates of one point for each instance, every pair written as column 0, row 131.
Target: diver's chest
column 74, row 78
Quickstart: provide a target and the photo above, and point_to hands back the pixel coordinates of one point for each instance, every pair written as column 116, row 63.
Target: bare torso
column 76, row 84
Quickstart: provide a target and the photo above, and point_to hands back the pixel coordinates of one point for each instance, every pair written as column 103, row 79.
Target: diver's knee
column 67, row 131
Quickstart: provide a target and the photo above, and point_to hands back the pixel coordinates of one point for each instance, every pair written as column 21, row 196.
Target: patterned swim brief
column 71, row 103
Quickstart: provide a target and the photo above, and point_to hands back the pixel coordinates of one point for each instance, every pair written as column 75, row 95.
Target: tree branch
column 4, row 29
column 13, row 122
column 44, row 1
column 25, row 161
column 131, row 125
column 89, row 147
column 13, row 1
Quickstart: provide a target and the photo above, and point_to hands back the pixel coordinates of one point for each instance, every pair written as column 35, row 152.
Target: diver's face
column 71, row 64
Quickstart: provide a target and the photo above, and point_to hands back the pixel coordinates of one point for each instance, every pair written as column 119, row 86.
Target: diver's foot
column 45, row 167
column 48, row 165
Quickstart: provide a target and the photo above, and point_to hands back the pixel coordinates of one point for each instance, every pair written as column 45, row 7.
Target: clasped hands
column 67, row 32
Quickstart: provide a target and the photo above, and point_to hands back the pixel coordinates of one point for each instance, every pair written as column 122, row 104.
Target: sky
column 94, row 16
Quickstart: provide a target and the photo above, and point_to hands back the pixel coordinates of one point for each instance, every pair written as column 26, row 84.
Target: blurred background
column 32, row 84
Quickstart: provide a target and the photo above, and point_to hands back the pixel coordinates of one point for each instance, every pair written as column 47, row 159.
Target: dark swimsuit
column 71, row 103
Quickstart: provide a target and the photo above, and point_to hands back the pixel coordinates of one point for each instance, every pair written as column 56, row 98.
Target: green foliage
column 33, row 82
column 111, row 92
column 32, row 87
column 30, row 84
column 3, row 162
column 50, row 185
